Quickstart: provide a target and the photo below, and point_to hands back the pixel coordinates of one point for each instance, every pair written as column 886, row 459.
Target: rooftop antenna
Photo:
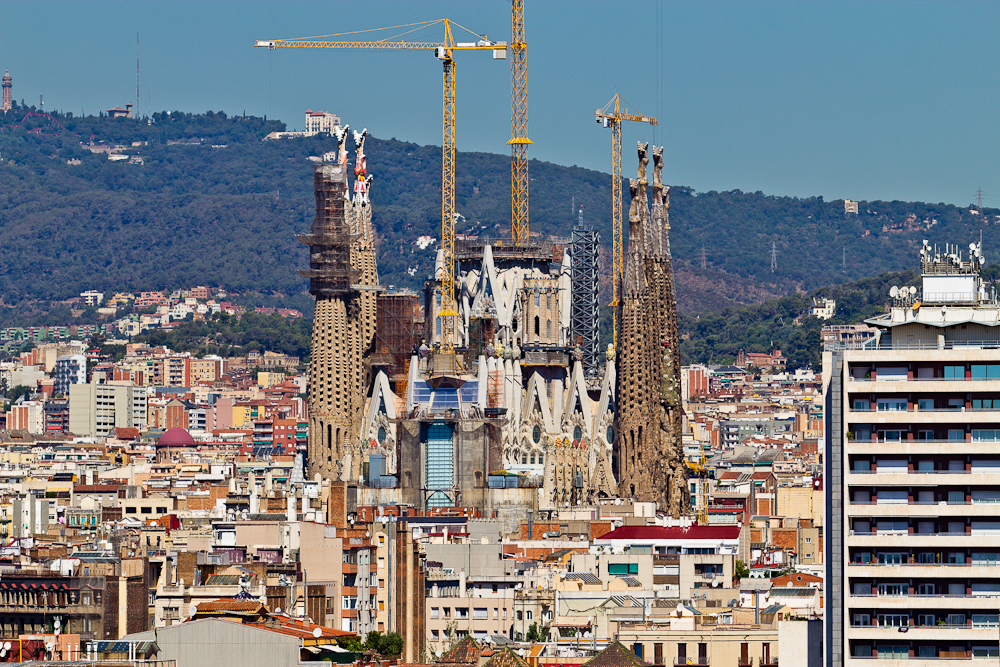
column 774, row 256
column 580, row 217
column 843, row 261
column 41, row 103
column 704, row 259
column 137, row 73
column 979, row 201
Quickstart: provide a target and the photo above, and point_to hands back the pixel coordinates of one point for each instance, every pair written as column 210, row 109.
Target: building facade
column 913, row 506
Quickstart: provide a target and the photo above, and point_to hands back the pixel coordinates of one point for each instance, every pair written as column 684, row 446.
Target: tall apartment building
column 913, row 475
column 69, row 369
column 95, row 409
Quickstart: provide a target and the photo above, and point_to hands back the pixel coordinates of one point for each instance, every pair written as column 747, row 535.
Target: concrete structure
column 95, row 409
column 913, row 465
column 648, row 451
column 7, row 83
column 69, row 369
column 823, row 308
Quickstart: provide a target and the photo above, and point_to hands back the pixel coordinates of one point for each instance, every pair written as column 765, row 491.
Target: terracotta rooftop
column 231, row 605
column 466, row 652
column 673, row 533
column 505, row 657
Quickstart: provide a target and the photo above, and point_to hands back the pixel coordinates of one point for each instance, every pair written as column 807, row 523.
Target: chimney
column 292, row 514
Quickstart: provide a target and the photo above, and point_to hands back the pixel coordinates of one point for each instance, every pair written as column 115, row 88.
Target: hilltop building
column 913, row 453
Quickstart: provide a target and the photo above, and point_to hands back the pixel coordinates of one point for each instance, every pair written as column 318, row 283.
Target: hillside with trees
column 203, row 200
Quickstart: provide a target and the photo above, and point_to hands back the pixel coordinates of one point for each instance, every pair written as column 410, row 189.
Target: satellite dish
column 277, row 610
column 438, row 653
column 57, row 623
column 194, row 610
column 913, row 290
column 972, row 246
column 3, row 653
column 893, row 291
column 317, row 633
column 6, row 646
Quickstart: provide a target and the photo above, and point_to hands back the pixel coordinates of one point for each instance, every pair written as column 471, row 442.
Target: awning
column 332, row 647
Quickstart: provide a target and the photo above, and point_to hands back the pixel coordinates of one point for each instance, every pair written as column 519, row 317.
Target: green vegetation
column 388, row 644
column 227, row 335
column 784, row 324
column 222, row 207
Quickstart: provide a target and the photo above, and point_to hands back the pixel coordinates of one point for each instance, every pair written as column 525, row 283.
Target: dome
column 176, row 437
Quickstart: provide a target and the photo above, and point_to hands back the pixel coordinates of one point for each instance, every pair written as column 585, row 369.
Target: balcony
column 700, row 660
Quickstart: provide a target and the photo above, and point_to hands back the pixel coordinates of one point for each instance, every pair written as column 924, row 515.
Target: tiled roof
column 464, row 652
column 615, row 655
column 505, row 658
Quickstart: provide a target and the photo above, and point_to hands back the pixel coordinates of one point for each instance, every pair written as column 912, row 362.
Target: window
column 925, row 405
column 518, row 615
column 381, row 583
column 637, row 649
column 435, row 612
column 861, row 405
column 891, row 405
column 462, row 612
column 954, row 372
column 527, row 614
column 446, row 612
column 892, row 590
column 925, row 620
column 862, row 620
column 956, row 434
column 536, row 434
column 480, row 614
column 893, row 620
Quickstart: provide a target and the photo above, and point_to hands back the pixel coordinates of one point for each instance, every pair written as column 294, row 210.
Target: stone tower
column 649, row 455
column 7, row 85
column 343, row 277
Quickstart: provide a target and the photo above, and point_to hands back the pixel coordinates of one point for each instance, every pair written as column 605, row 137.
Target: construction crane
column 698, row 468
column 612, row 115
column 443, row 51
column 519, row 140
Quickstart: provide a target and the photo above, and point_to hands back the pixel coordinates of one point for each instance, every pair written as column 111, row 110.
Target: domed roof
column 176, row 437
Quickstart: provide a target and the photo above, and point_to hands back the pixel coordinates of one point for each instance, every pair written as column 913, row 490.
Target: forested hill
column 212, row 204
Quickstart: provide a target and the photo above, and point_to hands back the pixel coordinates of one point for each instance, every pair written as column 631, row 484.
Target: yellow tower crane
column 612, row 115
column 443, row 51
column 519, row 140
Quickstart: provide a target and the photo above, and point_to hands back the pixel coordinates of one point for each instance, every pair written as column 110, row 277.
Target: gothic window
column 532, row 459
column 524, row 458
column 381, row 434
column 610, row 434
column 548, row 300
column 536, row 434
column 538, row 296
column 548, row 328
column 541, row 460
column 438, row 325
column 577, row 433
column 537, row 328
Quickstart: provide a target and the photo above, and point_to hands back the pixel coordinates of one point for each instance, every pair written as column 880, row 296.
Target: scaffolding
column 584, row 313
column 329, row 238
column 397, row 334
column 494, row 395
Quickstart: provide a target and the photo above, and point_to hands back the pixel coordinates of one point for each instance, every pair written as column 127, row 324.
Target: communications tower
column 7, row 85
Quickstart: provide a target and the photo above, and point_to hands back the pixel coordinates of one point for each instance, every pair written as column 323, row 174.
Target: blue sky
column 865, row 100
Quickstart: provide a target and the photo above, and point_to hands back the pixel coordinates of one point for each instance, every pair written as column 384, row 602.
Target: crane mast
column 612, row 116
column 443, row 51
column 519, row 141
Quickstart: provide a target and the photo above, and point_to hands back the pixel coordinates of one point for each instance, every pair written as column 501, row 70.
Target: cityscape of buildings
column 469, row 474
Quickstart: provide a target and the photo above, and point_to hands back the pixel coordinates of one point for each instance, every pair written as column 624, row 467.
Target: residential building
column 913, row 468
column 96, row 408
column 27, row 416
column 69, row 369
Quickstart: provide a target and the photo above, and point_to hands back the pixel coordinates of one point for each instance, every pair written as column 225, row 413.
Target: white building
column 321, row 122
column 92, row 297
column 913, row 475
column 69, row 369
column 823, row 308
